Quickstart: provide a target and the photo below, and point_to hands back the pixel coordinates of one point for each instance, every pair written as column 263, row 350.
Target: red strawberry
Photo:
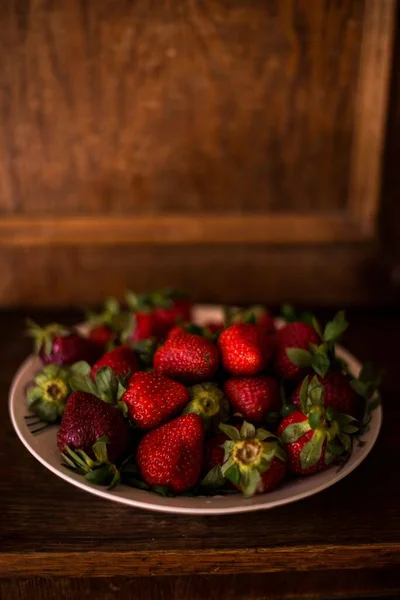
column 153, row 399
column 145, row 326
column 170, row 307
column 105, row 326
column 87, row 419
column 316, row 435
column 254, row 460
column 214, row 453
column 253, row 397
column 214, row 327
column 209, row 330
column 297, row 335
column 172, row 455
column 176, row 331
column 294, row 449
column 57, row 344
column 188, row 358
column 102, row 335
column 339, row 394
column 122, row 360
column 254, row 314
column 245, row 348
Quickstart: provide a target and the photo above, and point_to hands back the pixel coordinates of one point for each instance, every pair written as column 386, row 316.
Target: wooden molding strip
column 370, row 111
column 278, row 228
column 191, row 562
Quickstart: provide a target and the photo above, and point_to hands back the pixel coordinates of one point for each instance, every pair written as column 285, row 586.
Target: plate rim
column 241, row 507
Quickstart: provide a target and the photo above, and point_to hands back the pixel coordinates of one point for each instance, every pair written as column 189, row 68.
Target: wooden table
column 57, row 541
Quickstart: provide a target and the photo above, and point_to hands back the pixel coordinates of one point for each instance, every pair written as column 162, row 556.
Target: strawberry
column 145, row 326
column 122, row 360
column 57, row 344
column 214, row 452
column 104, row 327
column 315, row 436
column 301, row 347
column 188, row 358
column 170, row 307
column 339, row 394
column 245, row 349
column 254, row 460
column 48, row 396
column 142, row 324
column 209, row 330
column 253, row 397
column 172, row 455
column 153, row 399
column 254, row 314
column 101, row 335
column 296, row 335
column 93, row 435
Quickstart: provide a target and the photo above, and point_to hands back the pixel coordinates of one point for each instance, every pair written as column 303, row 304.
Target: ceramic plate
column 44, row 449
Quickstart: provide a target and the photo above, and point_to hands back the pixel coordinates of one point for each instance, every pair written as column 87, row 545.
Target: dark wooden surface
column 343, row 541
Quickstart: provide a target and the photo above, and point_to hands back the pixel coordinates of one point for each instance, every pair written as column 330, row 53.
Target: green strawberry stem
column 43, row 336
column 320, row 357
column 99, row 470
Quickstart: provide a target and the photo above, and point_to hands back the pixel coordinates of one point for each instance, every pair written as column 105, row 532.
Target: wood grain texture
column 47, row 526
column 207, row 562
column 273, row 586
column 120, row 107
column 179, row 230
column 235, row 273
column 371, row 111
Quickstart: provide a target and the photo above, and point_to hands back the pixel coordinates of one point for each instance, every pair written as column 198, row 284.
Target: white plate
column 44, row 449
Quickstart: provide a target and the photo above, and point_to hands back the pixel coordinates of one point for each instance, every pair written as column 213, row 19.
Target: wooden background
column 233, row 148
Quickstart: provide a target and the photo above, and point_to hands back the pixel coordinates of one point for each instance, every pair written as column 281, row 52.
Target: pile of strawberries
column 149, row 398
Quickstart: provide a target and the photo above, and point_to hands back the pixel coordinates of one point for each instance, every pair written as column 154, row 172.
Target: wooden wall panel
column 251, row 133
column 130, row 107
column 234, row 273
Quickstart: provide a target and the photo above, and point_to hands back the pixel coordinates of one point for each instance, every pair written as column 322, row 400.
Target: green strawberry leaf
column 161, row 490
column 346, row 441
column 317, row 326
column 249, row 481
column 303, row 394
column 349, row 429
column 299, row 357
column 312, row 450
column 80, row 368
column 45, row 411
column 214, row 478
column 316, row 392
column 100, row 449
column 247, row 431
column 262, row 434
column 295, row 431
column 288, row 313
column 232, row 473
column 230, row 431
column 334, row 329
column 289, row 408
column 337, row 450
column 320, row 362
column 314, row 420
column 81, row 383
column 107, row 384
